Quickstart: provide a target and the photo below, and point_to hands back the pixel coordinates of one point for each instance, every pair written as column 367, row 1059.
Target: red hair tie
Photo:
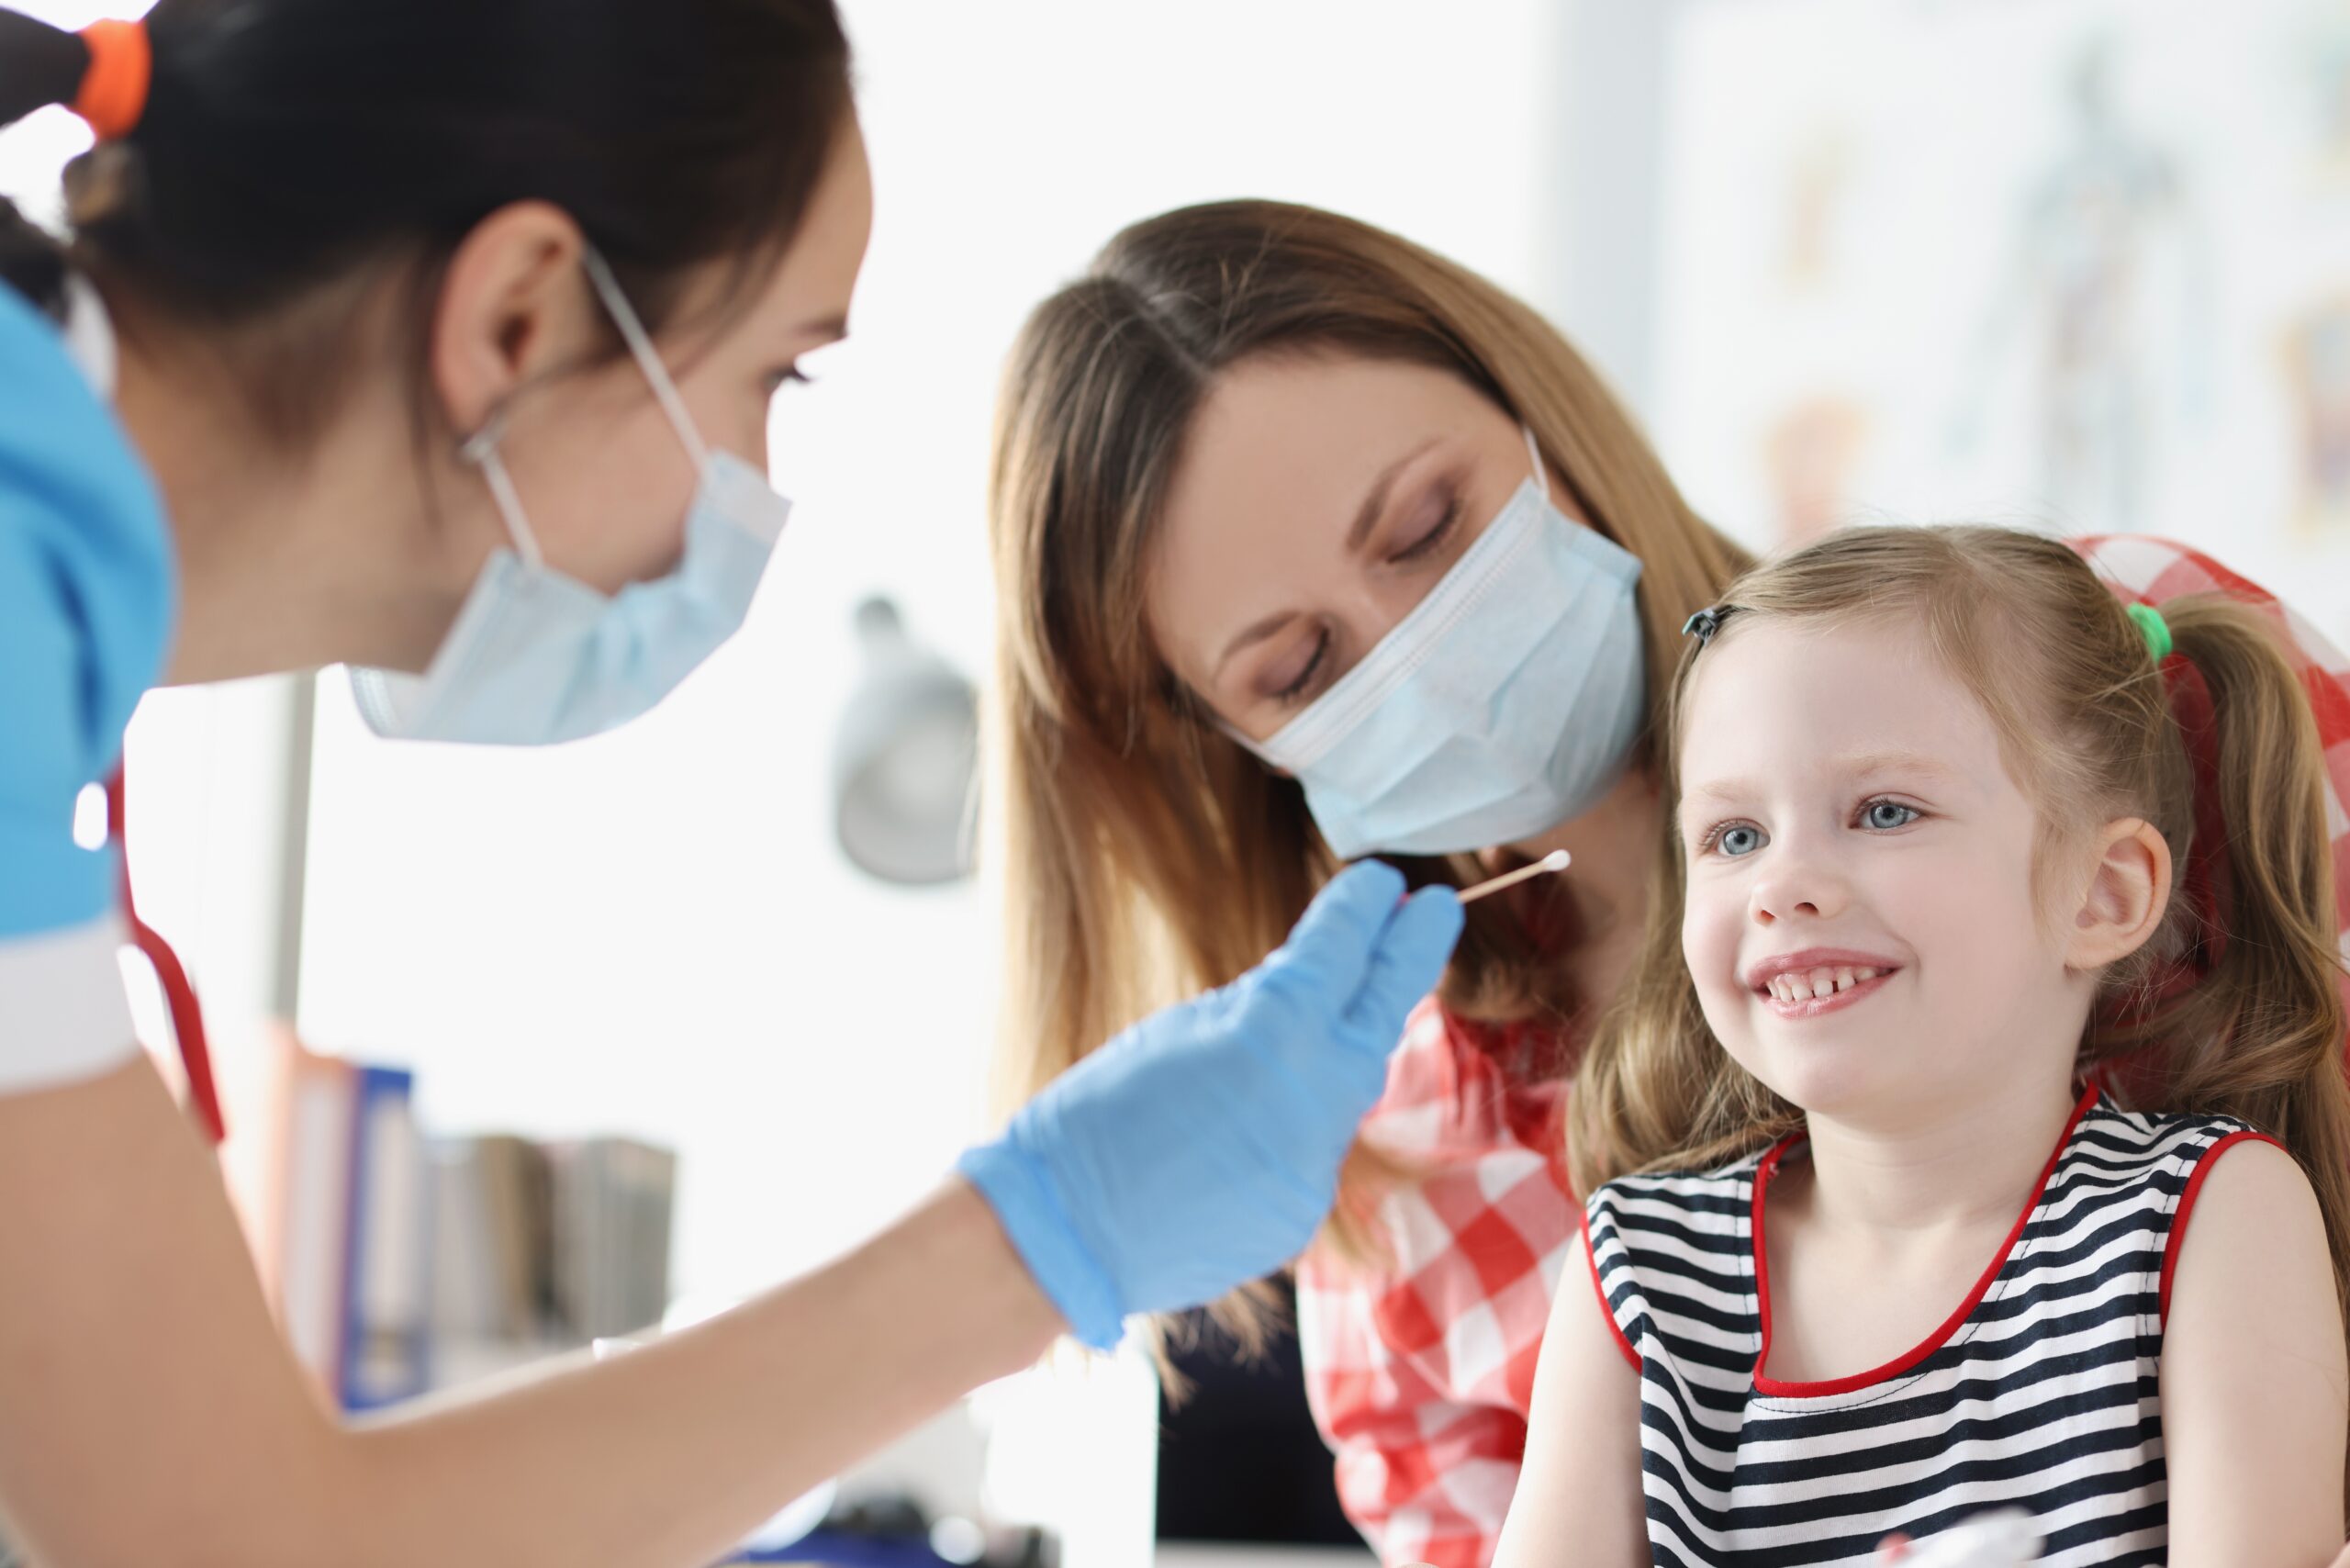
column 114, row 89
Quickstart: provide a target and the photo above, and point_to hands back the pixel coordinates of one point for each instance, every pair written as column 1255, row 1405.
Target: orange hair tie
column 113, row 90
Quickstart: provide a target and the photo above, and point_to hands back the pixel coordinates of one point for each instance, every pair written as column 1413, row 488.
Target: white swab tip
column 1557, row 861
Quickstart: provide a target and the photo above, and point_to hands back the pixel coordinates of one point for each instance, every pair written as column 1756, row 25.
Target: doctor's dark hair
column 290, row 149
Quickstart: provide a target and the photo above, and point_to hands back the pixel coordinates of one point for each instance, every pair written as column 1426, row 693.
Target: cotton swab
column 1557, row 861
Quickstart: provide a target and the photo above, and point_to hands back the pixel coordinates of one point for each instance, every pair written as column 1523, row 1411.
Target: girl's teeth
column 1814, row 985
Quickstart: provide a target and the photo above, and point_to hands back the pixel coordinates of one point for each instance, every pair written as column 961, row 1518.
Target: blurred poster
column 2079, row 265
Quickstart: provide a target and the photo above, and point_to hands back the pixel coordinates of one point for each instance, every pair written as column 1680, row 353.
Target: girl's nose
column 1795, row 890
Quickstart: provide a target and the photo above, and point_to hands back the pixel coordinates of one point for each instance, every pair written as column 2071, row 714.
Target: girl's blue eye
column 1739, row 839
column 1886, row 815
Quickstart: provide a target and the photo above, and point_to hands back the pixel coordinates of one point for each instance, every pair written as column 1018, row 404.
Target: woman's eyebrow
column 1255, row 632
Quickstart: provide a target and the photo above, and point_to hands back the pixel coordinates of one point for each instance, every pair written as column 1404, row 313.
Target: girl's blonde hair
column 1145, row 854
column 2090, row 728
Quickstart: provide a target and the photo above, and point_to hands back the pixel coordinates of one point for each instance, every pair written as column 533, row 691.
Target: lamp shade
column 905, row 758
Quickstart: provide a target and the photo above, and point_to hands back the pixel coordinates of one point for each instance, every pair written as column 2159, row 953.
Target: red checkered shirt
column 1420, row 1369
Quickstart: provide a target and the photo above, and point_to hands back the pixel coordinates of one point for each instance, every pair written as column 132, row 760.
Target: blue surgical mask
column 1507, row 702
column 536, row 657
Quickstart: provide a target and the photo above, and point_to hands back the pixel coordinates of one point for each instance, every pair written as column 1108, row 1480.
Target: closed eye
column 1434, row 535
column 1296, row 688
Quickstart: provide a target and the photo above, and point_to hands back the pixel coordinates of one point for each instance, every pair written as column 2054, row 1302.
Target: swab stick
column 1557, row 861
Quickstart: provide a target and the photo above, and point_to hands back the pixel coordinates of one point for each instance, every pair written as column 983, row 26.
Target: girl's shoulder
column 2165, row 1166
column 2107, row 1145
column 2119, row 1140
column 1725, row 1189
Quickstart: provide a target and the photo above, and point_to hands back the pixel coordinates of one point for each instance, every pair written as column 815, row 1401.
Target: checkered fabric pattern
column 1420, row 1369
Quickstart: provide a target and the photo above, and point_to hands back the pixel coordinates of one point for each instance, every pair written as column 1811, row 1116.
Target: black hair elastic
column 1706, row 623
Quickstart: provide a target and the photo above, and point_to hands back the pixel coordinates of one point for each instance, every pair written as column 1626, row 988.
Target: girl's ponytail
column 2259, row 1033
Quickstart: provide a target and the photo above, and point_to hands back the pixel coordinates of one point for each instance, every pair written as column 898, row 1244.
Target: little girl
column 1968, row 863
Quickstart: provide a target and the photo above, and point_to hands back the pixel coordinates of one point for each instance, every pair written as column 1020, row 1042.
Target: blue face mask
column 536, row 657
column 1507, row 702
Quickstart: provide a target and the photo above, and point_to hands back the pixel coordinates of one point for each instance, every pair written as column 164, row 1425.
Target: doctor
column 437, row 338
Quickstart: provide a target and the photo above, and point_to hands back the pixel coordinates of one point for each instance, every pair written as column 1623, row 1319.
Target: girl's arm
column 2255, row 1396
column 1579, row 1498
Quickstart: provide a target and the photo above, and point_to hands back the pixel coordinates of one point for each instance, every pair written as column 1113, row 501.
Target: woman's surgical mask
column 1507, row 702
column 536, row 657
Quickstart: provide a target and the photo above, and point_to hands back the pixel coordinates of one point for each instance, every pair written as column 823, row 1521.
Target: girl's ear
column 2127, row 890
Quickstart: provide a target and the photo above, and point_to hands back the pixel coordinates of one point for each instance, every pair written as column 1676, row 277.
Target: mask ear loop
column 1534, row 454
column 665, row 390
column 480, row 449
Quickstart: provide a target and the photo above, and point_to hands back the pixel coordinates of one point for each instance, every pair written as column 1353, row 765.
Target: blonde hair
column 2087, row 729
column 1146, row 854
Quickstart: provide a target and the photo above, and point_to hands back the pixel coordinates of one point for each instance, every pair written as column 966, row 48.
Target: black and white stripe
column 2042, row 1396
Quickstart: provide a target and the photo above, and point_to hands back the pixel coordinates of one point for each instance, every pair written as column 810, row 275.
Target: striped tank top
column 2039, row 1392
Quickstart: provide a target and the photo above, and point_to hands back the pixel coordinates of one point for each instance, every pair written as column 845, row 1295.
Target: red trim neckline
column 1773, row 1388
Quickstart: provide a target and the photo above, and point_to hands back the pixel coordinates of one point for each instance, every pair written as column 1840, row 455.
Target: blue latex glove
column 86, row 596
column 1200, row 1149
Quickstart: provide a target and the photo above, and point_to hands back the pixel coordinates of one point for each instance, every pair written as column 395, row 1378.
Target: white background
column 1941, row 120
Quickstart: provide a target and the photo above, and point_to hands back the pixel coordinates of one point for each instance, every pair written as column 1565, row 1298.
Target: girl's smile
column 1816, row 980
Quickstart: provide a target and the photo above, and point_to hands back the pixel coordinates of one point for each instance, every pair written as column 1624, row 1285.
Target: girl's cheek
column 1709, row 932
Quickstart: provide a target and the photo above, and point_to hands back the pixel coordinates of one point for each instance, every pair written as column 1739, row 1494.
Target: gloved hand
column 85, row 594
column 1200, row 1149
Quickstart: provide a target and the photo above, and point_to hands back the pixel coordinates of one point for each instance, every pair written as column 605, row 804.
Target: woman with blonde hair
column 1311, row 543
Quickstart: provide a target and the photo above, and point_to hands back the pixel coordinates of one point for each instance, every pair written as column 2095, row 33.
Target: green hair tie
column 2155, row 629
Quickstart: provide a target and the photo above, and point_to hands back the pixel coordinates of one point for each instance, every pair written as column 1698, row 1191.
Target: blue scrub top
column 86, row 596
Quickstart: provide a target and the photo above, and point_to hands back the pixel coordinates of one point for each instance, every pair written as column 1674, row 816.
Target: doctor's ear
column 2122, row 904
column 514, row 305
